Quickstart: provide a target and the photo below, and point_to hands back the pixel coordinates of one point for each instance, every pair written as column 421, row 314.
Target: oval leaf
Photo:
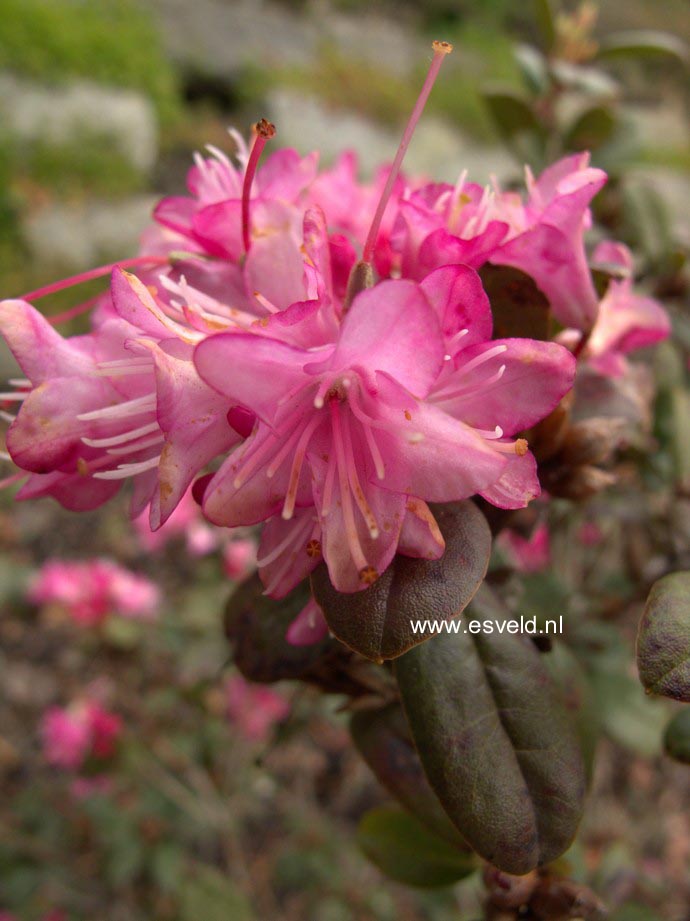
column 663, row 643
column 377, row 621
column 518, row 306
column 677, row 737
column 383, row 739
column 593, row 128
column 495, row 740
column 511, row 114
column 578, row 698
column 643, row 42
column 543, row 11
column 408, row 852
column 256, row 625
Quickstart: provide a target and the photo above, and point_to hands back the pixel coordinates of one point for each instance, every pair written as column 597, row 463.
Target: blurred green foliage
column 109, row 41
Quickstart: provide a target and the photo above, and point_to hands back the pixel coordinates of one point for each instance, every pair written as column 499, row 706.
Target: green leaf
column 511, row 113
column 495, row 740
column 663, row 643
column 627, row 716
column 578, row 698
column 642, row 43
column 546, row 21
column 406, row 851
column 383, row 739
column 376, row 622
column 518, row 306
column 591, row 129
column 257, row 625
column 677, row 737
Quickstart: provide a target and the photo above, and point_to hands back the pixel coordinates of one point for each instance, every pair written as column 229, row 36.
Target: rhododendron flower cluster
column 84, row 730
column 90, row 590
column 317, row 354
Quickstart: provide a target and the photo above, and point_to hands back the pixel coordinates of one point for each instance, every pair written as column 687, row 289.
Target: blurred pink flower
column 239, row 557
column 72, row 735
column 527, row 554
column 254, row 709
column 92, row 589
column 590, row 534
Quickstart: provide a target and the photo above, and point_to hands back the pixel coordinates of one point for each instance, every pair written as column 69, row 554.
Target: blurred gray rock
column 220, row 37
column 74, row 237
column 437, row 148
column 62, row 114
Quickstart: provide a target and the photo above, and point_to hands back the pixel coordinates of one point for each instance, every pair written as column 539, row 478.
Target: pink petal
column 309, row 627
column 559, row 269
column 420, row 536
column 537, row 376
column 458, row 297
column 193, row 418
column 392, row 328
column 428, row 453
column 517, row 486
column 280, row 369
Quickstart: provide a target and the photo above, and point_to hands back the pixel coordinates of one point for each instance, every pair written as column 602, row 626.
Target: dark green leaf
column 677, row 737
column 643, row 42
column 376, row 622
column 578, row 698
column 257, row 625
column 383, row 739
column 511, row 114
column 663, row 643
column 495, row 740
column 592, row 129
column 408, row 852
column 518, row 306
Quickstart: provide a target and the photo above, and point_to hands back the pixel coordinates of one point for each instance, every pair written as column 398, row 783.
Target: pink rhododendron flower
column 527, row 554
column 254, row 709
column 544, row 237
column 626, row 321
column 81, row 731
column 90, row 590
column 357, row 430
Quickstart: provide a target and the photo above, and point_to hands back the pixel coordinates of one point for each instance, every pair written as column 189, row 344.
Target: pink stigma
column 441, row 49
column 74, row 280
column 264, row 132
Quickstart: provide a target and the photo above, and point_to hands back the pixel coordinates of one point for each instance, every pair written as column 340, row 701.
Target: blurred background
column 135, row 785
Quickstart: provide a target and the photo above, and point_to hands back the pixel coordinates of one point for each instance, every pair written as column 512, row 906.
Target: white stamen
column 127, row 470
column 134, row 407
column 122, row 438
column 137, row 446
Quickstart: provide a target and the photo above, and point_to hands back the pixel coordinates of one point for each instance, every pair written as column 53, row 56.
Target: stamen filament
column 298, row 462
column 345, row 494
column 293, row 532
column 127, row 470
column 264, row 132
column 441, row 49
column 89, row 276
column 121, row 439
column 355, row 485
